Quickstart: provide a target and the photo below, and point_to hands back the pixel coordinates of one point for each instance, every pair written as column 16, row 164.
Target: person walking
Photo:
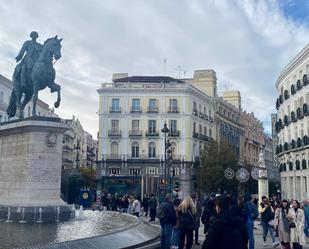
column 282, row 224
column 153, row 203
column 250, row 215
column 297, row 223
column 306, row 212
column 267, row 220
column 187, row 215
column 124, row 204
column 168, row 219
column 136, row 206
column 146, row 204
column 198, row 215
column 209, row 211
column 226, row 231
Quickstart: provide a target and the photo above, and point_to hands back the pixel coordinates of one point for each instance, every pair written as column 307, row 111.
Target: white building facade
column 293, row 128
column 132, row 112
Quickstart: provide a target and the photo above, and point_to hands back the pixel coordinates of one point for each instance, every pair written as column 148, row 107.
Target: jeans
column 124, row 210
column 250, row 227
column 175, row 237
column 297, row 246
column 267, row 227
column 306, row 229
column 182, row 235
column 166, row 236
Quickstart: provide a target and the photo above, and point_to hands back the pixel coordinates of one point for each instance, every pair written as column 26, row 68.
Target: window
column 194, row 106
column 135, row 125
column 205, row 110
column 135, row 150
column 307, row 69
column 0, row 118
column 1, row 97
column 209, row 113
column 114, row 148
column 194, row 127
column 152, row 104
column 136, row 105
column 173, row 126
column 200, row 129
column 173, row 105
column 210, row 133
column 205, row 131
column 115, row 125
column 152, row 126
column 115, row 105
column 135, row 171
column 152, row 150
column 200, row 108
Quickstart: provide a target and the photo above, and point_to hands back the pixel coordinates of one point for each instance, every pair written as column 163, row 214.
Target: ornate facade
column 132, row 112
column 292, row 126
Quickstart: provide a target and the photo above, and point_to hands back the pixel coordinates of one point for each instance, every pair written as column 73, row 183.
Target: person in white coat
column 297, row 223
column 136, row 206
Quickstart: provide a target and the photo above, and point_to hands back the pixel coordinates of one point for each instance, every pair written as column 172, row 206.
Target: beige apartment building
column 132, row 113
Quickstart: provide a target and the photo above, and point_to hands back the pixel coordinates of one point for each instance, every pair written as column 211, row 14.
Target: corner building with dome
column 292, row 127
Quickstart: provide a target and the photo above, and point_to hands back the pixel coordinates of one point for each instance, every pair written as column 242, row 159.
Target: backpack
column 253, row 212
column 162, row 211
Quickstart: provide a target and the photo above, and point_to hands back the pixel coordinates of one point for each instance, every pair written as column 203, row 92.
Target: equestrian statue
column 33, row 73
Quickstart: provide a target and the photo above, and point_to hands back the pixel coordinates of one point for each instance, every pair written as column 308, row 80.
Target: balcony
column 114, row 133
column 135, row 133
column 115, row 109
column 175, row 133
column 203, row 137
column 195, row 112
column 143, row 157
column 152, row 109
column 195, row 135
column 136, row 110
column 152, row 134
column 173, row 109
column 67, row 148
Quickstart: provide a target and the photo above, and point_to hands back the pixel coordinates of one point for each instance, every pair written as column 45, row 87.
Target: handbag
column 292, row 224
column 271, row 222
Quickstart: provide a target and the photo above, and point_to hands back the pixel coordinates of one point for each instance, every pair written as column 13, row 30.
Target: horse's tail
column 11, row 111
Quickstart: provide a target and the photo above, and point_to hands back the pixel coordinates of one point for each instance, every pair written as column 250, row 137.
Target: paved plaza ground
column 257, row 235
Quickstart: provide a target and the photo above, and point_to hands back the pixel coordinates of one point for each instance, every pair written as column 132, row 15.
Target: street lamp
column 165, row 130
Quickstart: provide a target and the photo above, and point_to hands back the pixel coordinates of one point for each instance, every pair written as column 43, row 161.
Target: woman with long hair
column 297, row 223
column 186, row 214
column 282, row 223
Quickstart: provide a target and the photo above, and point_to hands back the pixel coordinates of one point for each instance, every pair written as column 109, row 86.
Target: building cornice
column 6, row 82
column 300, row 57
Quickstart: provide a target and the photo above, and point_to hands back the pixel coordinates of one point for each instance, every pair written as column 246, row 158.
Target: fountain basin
column 36, row 214
column 111, row 229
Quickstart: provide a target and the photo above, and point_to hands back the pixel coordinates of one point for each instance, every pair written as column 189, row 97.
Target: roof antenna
column 164, row 66
column 179, row 69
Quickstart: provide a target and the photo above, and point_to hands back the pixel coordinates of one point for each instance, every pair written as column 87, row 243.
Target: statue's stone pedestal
column 30, row 170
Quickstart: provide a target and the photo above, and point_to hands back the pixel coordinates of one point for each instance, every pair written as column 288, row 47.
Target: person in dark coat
column 209, row 211
column 198, row 215
column 114, row 202
column 225, row 231
column 146, row 204
column 105, row 201
column 153, row 203
column 167, row 222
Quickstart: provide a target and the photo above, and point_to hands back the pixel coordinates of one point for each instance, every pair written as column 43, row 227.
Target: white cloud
column 246, row 42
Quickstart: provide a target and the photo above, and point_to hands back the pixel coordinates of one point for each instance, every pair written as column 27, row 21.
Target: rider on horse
column 32, row 49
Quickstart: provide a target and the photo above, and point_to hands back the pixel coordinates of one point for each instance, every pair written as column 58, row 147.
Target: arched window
column 114, row 149
column 135, row 150
column 152, row 150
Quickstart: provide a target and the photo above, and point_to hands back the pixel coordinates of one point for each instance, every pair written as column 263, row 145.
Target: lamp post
column 165, row 130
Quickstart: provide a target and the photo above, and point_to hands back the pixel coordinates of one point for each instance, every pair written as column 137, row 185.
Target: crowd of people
column 230, row 222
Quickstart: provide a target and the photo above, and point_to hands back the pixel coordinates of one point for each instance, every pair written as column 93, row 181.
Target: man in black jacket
column 225, row 231
column 167, row 221
column 153, row 203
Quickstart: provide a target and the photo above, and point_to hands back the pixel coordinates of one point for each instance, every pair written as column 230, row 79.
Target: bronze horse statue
column 41, row 76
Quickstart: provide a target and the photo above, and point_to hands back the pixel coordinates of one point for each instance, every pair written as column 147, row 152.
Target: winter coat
column 297, row 233
column 170, row 214
column 198, row 215
column 187, row 220
column 136, row 207
column 226, row 232
column 283, row 233
column 153, row 203
column 267, row 212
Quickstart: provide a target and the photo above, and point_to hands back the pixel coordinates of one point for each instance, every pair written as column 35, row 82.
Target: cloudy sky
column 246, row 42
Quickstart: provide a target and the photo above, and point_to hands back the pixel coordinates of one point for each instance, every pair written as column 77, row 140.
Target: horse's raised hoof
column 57, row 104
